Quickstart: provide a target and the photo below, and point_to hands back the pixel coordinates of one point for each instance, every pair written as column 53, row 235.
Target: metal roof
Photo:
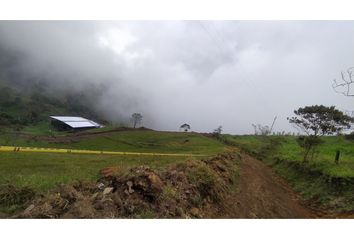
column 76, row 122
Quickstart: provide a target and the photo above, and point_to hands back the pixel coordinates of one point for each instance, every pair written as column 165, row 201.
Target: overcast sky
column 204, row 73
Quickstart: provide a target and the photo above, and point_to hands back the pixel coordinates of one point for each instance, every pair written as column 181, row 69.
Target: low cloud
column 229, row 73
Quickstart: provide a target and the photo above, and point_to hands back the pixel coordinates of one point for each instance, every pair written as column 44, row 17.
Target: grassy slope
column 28, row 106
column 290, row 151
column 43, row 128
column 324, row 161
column 151, row 141
column 44, row 170
column 133, row 141
column 321, row 182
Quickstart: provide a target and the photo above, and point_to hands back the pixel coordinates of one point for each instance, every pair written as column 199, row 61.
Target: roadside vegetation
column 322, row 182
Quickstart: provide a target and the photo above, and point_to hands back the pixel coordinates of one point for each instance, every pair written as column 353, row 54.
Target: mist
column 204, row 73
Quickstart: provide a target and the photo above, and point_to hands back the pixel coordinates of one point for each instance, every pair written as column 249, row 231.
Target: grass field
column 129, row 141
column 43, row 171
column 288, row 150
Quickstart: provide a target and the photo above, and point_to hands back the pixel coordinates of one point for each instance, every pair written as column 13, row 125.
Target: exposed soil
column 262, row 194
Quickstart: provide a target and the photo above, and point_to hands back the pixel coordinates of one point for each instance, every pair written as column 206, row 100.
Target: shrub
column 206, row 180
column 309, row 144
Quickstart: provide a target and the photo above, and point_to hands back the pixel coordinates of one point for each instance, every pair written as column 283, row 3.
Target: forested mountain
column 31, row 103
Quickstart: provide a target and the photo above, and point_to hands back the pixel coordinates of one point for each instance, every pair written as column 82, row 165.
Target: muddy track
column 263, row 194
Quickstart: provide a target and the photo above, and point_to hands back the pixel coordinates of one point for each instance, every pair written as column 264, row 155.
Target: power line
column 211, row 37
column 231, row 47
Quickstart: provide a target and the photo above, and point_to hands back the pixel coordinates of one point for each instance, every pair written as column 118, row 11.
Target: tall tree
column 320, row 120
column 217, row 131
column 315, row 121
column 136, row 119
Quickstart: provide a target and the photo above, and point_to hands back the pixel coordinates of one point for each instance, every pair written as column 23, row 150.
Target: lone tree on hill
column 217, row 131
column 136, row 119
column 185, row 127
column 317, row 121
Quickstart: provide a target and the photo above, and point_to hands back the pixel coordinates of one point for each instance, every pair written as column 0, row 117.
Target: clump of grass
column 145, row 214
column 196, row 200
column 169, row 192
column 11, row 195
column 206, row 180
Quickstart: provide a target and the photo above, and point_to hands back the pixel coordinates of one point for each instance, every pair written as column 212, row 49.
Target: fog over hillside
column 204, row 73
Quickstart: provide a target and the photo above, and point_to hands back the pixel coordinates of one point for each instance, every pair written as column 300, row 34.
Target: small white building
column 70, row 122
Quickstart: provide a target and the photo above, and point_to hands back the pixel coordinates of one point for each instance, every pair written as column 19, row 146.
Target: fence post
column 336, row 160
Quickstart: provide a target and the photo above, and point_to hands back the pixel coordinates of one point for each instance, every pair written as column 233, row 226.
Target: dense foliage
column 320, row 120
column 20, row 108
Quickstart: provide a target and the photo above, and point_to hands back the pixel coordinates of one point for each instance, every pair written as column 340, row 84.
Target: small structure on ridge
column 70, row 122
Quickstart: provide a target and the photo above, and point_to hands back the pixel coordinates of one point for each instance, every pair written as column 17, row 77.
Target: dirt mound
column 181, row 191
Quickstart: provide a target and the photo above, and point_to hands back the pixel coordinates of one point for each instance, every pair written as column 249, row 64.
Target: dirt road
column 262, row 194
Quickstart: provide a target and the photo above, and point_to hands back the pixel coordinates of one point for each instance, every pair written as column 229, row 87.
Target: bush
column 309, row 144
column 350, row 136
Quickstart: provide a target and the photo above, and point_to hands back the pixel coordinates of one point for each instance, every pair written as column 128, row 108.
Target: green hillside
column 27, row 107
column 24, row 111
column 129, row 141
column 45, row 170
column 285, row 148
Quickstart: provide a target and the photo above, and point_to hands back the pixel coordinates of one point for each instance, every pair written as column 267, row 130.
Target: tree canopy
column 185, row 127
column 217, row 131
column 320, row 120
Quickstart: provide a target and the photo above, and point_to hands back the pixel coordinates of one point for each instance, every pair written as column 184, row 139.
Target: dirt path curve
column 262, row 194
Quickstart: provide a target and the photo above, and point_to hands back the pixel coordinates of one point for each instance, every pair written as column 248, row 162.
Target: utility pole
column 271, row 128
